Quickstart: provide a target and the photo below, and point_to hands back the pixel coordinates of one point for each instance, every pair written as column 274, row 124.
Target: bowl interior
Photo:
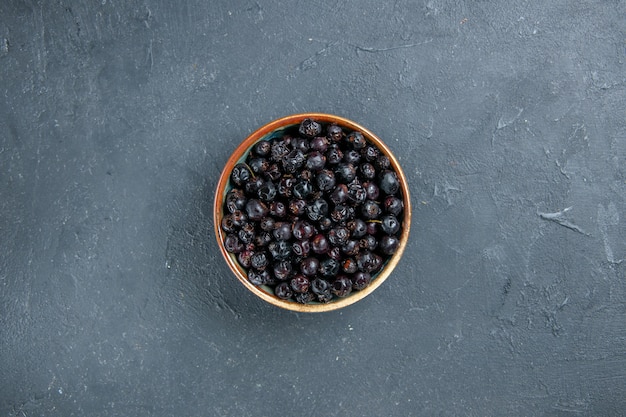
column 278, row 128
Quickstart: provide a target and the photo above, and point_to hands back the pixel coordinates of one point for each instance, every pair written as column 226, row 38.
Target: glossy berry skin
column 315, row 161
column 371, row 210
column 367, row 171
column 246, row 234
column 321, row 288
column 357, row 140
column 390, row 224
column 283, row 291
column 303, row 230
column 232, row 244
column 357, row 227
column 389, row 244
column 235, row 200
column 299, row 283
column 334, row 156
column 293, row 161
column 245, row 258
column 320, row 144
column 342, row 286
column 258, row 277
column 389, row 182
column 259, row 260
column 282, row 231
column 371, row 190
column 267, row 191
column 325, row 180
column 262, row 148
column 329, row 267
column 259, row 165
column 252, row 185
column 278, row 209
column 310, row 128
column 338, row 236
column 352, row 157
column 317, row 209
column 393, row 205
column 361, row 280
column 320, row 244
column 382, row 163
column 302, row 189
column 240, row 174
column 349, row 266
column 345, row 172
column 370, row 153
column 301, row 248
column 297, row 206
column 335, row 133
column 285, row 186
column 339, row 194
column 309, row 266
column 282, row 270
column 279, row 250
column 256, row 209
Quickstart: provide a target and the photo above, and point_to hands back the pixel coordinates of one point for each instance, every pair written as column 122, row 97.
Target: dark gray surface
column 509, row 121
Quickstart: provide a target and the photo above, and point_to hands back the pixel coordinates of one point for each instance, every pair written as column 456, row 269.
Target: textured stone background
column 117, row 118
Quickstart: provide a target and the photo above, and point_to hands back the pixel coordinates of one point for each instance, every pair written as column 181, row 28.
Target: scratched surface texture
column 509, row 120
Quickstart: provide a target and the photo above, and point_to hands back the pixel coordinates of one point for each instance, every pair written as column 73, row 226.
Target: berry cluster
column 314, row 214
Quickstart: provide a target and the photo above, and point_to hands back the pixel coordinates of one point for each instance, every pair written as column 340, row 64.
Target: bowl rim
column 244, row 147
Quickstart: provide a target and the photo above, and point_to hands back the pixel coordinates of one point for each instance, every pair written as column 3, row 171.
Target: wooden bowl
column 275, row 129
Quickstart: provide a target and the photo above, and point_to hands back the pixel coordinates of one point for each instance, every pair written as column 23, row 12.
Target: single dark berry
column 227, row 224
column 297, row 206
column 267, row 191
column 317, row 209
column 393, row 205
column 303, row 230
column 278, row 209
column 370, row 153
column 329, row 267
column 282, row 270
column 282, row 231
column 350, row 248
column 349, row 266
column 367, row 171
column 320, row 144
column 315, row 161
column 310, row 128
column 368, row 261
column 370, row 210
column 246, row 233
column 259, row 260
column 338, row 236
column 252, row 185
column 262, row 148
column 301, row 248
column 390, row 224
column 259, row 165
column 339, row 194
column 357, row 227
column 371, row 190
column 258, row 277
column 256, row 210
column 389, row 244
column 342, row 286
column 334, row 155
column 321, row 289
column 389, row 182
column 352, row 157
column 299, row 283
column 357, row 140
column 283, row 291
column 382, row 162
column 361, row 280
column 240, row 174
column 345, row 172
column 356, row 193
column 239, row 218
column 280, row 149
column 235, row 200
column 302, row 189
column 368, row 242
column 245, row 258
column 319, row 244
column 280, row 249
column 293, row 161
column 325, row 180
column 334, row 132
column 232, row 244
column 309, row 266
